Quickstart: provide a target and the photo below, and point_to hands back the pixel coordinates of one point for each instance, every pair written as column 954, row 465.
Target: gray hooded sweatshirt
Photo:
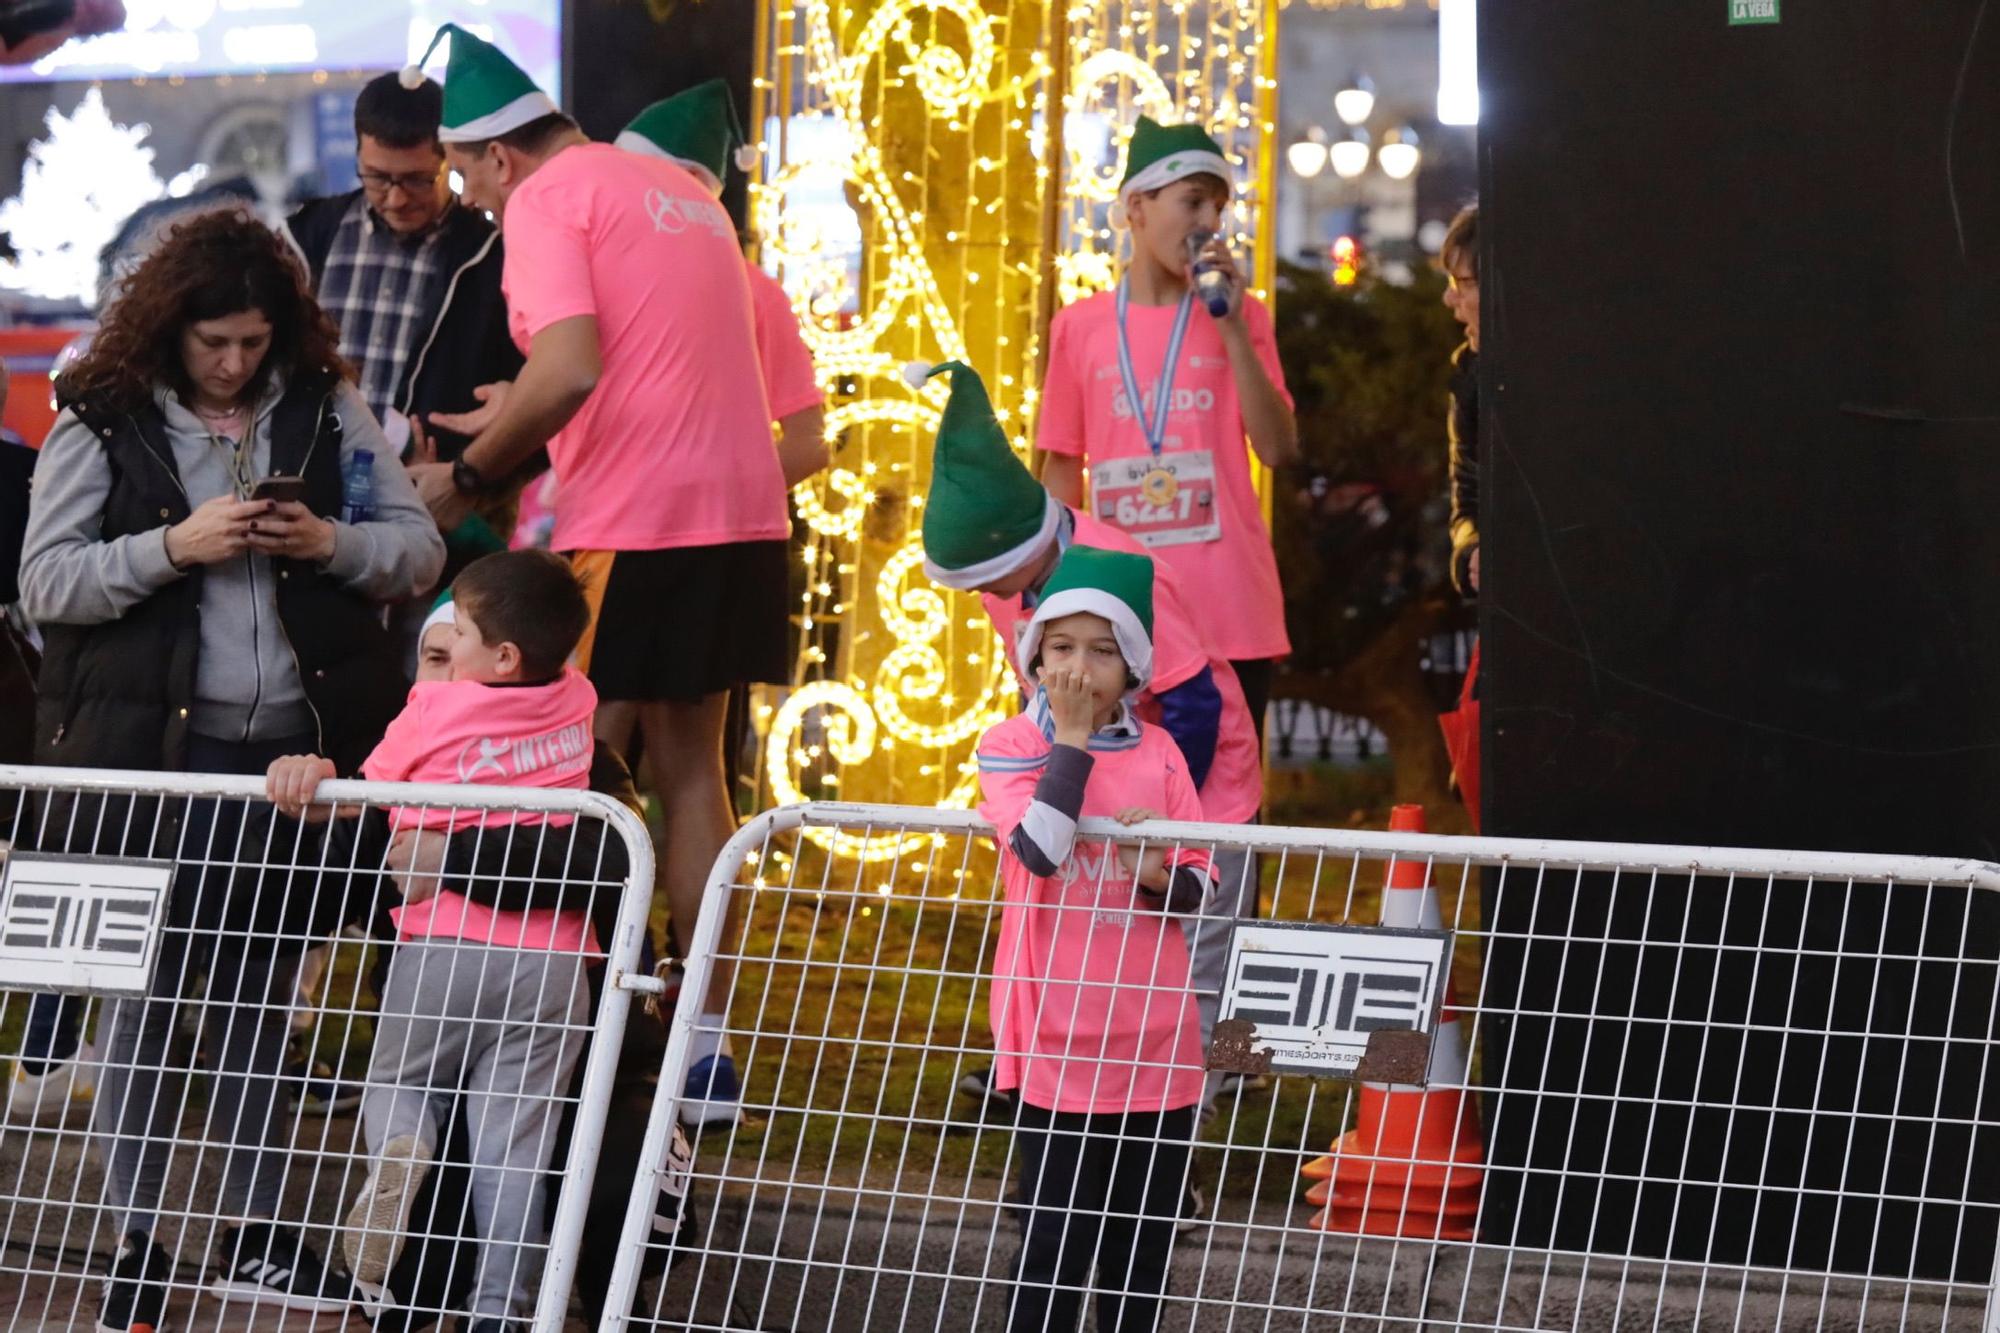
column 247, row 684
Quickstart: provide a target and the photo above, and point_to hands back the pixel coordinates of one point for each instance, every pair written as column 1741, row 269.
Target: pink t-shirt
column 461, row 731
column 1084, row 412
column 1091, row 1005
column 673, row 447
column 789, row 383
column 1233, row 791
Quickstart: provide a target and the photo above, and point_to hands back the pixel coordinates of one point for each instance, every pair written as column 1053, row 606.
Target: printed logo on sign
column 1752, row 11
column 1316, row 993
column 81, row 923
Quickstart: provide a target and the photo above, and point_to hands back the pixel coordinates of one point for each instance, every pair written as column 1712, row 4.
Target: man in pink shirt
column 697, row 130
column 1156, row 401
column 626, row 290
column 990, row 528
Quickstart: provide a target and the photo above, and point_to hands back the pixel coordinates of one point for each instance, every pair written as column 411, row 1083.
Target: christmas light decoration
column 916, row 208
column 79, row 185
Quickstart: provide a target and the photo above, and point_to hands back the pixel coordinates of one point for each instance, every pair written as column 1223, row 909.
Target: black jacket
column 1463, row 428
column 118, row 694
column 466, row 342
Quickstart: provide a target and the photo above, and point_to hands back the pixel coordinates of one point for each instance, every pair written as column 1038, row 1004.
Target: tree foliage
column 1360, row 527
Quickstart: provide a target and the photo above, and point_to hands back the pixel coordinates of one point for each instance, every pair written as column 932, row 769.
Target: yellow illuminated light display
column 913, row 205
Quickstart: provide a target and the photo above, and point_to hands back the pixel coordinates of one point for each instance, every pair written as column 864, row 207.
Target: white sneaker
column 373, row 1237
column 51, row 1097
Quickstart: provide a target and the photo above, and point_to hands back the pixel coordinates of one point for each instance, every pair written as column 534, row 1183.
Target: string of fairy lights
column 905, row 203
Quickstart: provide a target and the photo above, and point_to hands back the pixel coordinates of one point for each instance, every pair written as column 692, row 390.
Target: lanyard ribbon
column 1154, row 428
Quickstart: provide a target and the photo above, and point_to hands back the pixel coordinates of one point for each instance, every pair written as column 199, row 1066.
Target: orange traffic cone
column 1410, row 1166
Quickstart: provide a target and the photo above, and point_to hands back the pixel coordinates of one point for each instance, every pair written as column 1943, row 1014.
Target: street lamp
column 1308, row 156
column 1399, row 153
column 1355, row 102
column 1350, row 155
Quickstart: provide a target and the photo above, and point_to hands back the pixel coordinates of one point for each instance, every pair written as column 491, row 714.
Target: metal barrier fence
column 286, row 1093
column 1689, row 1088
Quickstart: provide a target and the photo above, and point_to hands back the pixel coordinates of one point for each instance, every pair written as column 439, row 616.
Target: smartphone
column 282, row 489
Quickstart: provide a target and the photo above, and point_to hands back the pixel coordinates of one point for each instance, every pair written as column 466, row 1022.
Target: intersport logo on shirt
column 512, row 757
column 1185, row 400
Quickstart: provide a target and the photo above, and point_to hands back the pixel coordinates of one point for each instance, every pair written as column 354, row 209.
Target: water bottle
column 357, row 487
column 1210, row 282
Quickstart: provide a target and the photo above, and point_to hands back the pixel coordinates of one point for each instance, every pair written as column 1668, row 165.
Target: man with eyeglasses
column 411, row 276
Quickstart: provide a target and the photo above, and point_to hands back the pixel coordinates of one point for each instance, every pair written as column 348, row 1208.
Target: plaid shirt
column 380, row 287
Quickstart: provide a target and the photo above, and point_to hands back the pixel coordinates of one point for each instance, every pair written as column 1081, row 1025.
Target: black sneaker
column 269, row 1263
column 1194, row 1210
column 135, row 1297
column 978, row 1085
column 317, row 1091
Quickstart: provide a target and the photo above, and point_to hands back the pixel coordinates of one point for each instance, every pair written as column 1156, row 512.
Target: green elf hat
column 695, row 128
column 444, row 611
column 1117, row 585
column 986, row 515
column 485, row 93
column 1158, row 155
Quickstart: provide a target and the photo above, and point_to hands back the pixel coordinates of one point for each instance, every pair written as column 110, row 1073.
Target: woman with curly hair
column 205, row 607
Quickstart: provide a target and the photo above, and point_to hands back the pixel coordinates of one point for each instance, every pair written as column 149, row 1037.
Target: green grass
column 863, row 995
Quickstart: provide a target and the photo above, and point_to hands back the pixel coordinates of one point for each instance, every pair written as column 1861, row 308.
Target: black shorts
column 686, row 622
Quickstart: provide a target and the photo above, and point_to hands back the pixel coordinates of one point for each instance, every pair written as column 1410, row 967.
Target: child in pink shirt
column 1154, row 401
column 490, row 1001
column 1094, row 1022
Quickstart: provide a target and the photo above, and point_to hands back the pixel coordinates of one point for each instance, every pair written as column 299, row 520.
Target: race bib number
column 1164, row 501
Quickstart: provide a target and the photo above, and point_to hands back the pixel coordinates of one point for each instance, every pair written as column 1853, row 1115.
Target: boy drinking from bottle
column 1159, row 403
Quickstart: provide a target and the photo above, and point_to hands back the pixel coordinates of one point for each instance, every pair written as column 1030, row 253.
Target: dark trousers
column 53, row 1020
column 51, row 1038
column 1099, row 1192
column 1254, row 675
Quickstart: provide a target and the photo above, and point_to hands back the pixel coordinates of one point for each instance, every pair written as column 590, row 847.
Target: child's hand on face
column 291, row 782
column 1070, row 705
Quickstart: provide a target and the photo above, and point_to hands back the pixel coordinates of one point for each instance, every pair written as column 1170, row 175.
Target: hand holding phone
column 281, row 490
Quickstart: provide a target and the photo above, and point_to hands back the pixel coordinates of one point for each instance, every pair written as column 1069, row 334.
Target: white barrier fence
column 270, row 1093
column 1684, row 1088
column 1692, row 1088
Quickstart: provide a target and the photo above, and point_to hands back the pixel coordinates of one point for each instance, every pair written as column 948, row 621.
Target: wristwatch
column 465, row 478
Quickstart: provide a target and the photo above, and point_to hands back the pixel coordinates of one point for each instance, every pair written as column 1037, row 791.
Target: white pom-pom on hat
column 915, row 373
column 746, row 157
column 412, row 77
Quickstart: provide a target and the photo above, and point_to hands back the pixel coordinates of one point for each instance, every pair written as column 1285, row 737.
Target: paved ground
column 801, row 1257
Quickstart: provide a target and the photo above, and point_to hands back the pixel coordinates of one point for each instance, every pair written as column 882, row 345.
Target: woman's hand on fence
column 217, row 530
column 294, row 531
column 416, row 860
column 291, row 783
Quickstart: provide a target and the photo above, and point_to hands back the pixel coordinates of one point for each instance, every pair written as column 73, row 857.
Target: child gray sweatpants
column 501, row 1027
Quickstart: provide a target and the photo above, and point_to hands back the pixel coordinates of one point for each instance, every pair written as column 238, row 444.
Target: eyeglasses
column 1460, row 282
column 411, row 182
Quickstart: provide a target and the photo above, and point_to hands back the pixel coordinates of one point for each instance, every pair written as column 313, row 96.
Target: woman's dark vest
column 118, row 695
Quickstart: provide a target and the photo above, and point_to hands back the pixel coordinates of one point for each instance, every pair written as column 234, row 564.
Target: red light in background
column 1345, row 252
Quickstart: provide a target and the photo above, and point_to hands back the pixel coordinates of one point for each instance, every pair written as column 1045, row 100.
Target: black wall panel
column 1741, row 467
